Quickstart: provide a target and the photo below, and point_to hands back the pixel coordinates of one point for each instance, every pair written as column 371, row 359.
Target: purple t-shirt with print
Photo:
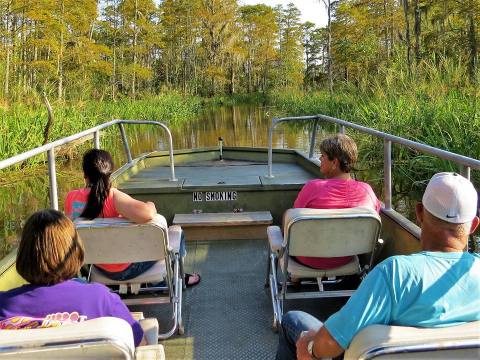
column 33, row 306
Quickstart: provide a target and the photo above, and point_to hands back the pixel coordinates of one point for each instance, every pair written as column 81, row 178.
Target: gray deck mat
column 229, row 314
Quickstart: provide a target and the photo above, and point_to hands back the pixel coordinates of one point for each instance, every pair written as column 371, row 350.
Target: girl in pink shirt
column 337, row 191
column 100, row 199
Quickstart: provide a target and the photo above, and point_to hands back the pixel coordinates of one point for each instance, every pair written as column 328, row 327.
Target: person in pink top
column 100, row 199
column 336, row 191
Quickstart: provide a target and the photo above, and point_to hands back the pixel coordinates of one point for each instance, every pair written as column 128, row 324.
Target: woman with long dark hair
column 100, row 199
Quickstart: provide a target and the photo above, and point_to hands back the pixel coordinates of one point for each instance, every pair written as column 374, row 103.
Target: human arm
column 303, row 197
column 372, row 303
column 132, row 209
column 371, row 194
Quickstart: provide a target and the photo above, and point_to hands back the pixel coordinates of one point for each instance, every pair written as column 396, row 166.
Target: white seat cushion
column 102, row 338
column 298, row 270
column 155, row 274
column 400, row 339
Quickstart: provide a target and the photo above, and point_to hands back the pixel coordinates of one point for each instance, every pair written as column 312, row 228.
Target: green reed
column 22, row 126
column 435, row 105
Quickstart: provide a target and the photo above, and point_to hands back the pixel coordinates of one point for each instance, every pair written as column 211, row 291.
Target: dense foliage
column 79, row 50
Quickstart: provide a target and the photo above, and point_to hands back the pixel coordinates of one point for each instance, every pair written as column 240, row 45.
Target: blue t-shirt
column 33, row 306
column 428, row 289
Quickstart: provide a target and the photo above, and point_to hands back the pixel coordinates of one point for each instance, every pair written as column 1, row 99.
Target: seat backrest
column 102, row 338
column 331, row 232
column 401, row 342
column 117, row 240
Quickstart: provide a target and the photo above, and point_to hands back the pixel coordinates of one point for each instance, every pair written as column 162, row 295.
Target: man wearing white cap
column 439, row 286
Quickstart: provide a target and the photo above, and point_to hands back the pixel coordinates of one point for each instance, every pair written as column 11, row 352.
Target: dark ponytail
column 97, row 168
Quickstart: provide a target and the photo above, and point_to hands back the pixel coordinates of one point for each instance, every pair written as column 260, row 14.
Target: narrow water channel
column 26, row 191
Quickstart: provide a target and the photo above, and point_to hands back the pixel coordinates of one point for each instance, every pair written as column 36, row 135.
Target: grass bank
column 436, row 107
column 22, row 126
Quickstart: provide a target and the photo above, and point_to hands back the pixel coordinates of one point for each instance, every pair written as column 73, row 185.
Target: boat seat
column 223, row 226
column 155, row 274
column 101, row 338
column 401, row 342
column 117, row 240
column 319, row 233
column 299, row 270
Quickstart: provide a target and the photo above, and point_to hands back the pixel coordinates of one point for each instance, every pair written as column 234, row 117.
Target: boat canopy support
column 465, row 163
column 95, row 132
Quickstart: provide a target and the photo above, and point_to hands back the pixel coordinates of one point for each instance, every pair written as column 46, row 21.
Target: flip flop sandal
column 187, row 279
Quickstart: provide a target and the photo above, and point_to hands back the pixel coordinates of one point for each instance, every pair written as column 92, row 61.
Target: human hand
column 302, row 343
column 151, row 205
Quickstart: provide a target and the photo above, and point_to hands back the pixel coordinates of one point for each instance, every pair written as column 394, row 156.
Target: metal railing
column 465, row 162
column 95, row 131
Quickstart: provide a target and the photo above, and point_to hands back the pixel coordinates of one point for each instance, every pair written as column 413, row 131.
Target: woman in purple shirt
column 49, row 256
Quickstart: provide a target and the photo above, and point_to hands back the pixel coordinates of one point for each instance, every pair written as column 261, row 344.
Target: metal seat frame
column 324, row 233
column 117, row 240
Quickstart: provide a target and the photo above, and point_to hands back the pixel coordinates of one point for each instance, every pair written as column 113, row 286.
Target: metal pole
column 270, row 149
column 342, row 129
column 312, row 139
column 465, row 171
column 220, row 146
column 170, row 153
column 387, row 173
column 125, row 143
column 96, row 139
column 52, row 179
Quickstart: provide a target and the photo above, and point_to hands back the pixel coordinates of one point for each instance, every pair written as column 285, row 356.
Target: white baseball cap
column 450, row 197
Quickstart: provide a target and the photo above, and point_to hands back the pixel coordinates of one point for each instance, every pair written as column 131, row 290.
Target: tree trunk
column 35, row 55
column 417, row 29
column 385, row 29
column 7, row 73
column 114, row 71
column 24, row 52
column 8, row 48
column 135, row 35
column 60, row 53
column 50, row 121
column 328, row 5
column 232, row 77
column 407, row 35
column 472, row 39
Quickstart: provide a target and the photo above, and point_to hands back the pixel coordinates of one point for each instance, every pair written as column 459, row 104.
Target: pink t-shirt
column 77, row 199
column 334, row 194
column 75, row 203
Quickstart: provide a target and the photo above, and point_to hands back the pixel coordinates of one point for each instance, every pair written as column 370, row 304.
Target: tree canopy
column 110, row 48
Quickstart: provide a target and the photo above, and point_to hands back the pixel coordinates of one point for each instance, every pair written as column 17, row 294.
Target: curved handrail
column 466, row 162
column 50, row 150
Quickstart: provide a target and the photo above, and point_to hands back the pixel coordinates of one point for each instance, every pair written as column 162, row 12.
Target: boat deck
column 218, row 173
column 241, row 185
column 229, row 314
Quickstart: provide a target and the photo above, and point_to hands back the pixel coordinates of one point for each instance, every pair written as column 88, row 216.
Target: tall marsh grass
column 436, row 105
column 22, row 126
